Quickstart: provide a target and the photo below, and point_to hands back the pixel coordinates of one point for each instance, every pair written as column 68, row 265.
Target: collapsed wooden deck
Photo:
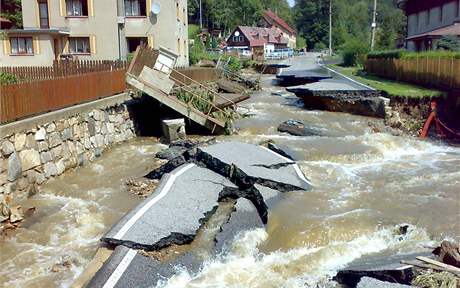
column 138, row 77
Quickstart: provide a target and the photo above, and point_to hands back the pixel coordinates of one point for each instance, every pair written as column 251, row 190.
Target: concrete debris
column 173, row 130
column 386, row 268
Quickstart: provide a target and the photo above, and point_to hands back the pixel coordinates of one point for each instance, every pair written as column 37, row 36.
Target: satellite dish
column 156, row 8
column 237, row 33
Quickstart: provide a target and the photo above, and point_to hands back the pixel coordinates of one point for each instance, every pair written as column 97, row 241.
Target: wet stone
column 298, row 128
column 20, row 141
column 29, row 159
column 14, row 167
column 40, row 135
column 7, row 148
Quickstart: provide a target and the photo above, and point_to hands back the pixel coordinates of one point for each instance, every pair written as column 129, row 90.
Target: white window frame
column 21, row 45
column 79, row 43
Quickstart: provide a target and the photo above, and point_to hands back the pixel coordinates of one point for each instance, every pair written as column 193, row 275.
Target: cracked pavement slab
column 249, row 164
column 173, row 214
column 128, row 268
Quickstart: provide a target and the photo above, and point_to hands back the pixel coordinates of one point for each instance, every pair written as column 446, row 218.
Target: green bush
column 449, row 42
column 431, row 54
column 7, row 78
column 404, row 54
column 354, row 52
column 234, row 64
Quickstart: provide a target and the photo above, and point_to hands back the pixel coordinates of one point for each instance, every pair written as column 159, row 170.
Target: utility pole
column 330, row 27
column 201, row 17
column 374, row 25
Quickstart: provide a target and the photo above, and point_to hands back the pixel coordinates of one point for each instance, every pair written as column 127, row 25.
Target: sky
column 291, row 2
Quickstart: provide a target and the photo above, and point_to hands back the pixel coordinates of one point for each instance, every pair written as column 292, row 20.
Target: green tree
column 11, row 10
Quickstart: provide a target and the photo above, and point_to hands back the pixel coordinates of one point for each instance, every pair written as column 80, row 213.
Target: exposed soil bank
column 410, row 114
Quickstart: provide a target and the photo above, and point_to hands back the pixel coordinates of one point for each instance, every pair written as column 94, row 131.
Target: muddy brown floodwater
column 365, row 184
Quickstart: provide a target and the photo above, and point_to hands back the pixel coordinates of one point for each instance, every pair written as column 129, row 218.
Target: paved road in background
column 309, row 64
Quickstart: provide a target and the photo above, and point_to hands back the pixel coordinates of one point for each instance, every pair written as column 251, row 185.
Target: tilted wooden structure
column 148, row 74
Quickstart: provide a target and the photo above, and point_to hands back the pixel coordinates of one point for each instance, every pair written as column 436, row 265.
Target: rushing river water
column 365, row 184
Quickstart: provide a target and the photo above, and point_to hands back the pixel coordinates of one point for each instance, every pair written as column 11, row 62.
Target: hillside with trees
column 351, row 19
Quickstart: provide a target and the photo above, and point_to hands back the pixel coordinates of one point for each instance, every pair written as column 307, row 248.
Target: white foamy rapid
column 246, row 266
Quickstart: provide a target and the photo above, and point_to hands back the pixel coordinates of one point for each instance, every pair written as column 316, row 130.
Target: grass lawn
column 393, row 88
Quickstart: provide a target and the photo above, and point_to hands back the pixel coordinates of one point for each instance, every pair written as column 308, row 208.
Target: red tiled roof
column 259, row 36
column 453, row 29
column 270, row 16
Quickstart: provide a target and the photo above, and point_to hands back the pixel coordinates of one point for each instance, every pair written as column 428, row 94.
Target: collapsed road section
column 194, row 185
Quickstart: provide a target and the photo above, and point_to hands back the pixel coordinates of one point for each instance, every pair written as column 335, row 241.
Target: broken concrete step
column 174, row 213
column 247, row 164
column 128, row 268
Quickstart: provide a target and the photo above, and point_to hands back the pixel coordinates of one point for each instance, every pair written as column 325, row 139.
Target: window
column 241, row 39
column 133, row 42
column 43, row 14
column 135, row 8
column 21, row 46
column 79, row 45
column 77, row 8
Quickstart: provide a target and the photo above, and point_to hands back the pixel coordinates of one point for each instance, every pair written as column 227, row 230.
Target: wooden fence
column 63, row 69
column 441, row 73
column 34, row 97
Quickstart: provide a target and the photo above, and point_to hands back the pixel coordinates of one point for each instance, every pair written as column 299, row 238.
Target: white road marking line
column 296, row 166
column 149, row 204
column 121, row 268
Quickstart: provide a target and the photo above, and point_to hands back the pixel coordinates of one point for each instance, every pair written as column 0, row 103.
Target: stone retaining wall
column 31, row 157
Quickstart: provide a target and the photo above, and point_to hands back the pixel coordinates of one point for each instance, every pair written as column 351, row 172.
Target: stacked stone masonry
column 30, row 158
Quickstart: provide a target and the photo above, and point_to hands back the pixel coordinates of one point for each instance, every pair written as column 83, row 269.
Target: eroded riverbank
column 72, row 212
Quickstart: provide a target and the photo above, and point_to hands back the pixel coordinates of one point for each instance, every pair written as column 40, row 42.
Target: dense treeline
column 228, row 14
column 351, row 19
column 351, row 22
